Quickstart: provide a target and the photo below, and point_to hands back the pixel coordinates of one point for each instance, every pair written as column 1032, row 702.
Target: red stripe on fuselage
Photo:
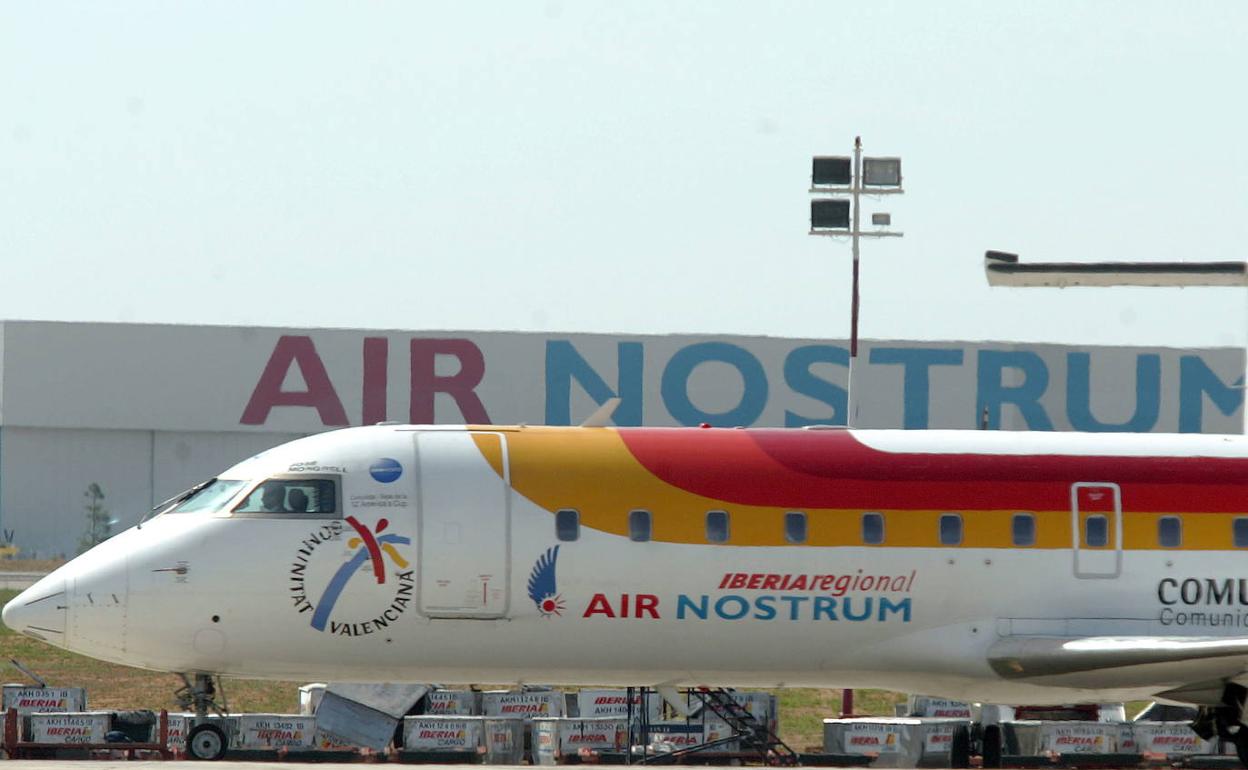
column 833, row 469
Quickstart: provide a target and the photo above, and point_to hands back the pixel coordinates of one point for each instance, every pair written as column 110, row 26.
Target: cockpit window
column 315, row 496
column 210, row 497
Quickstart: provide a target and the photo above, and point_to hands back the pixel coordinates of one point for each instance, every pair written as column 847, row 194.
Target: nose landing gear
column 208, row 739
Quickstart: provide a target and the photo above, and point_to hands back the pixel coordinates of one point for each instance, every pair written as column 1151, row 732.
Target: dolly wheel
column 960, row 747
column 992, row 746
column 206, row 742
column 1240, row 739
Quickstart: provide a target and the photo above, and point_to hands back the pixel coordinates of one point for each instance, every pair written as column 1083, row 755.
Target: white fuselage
column 239, row 595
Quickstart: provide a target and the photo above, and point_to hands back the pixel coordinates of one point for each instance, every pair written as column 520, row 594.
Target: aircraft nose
column 39, row 611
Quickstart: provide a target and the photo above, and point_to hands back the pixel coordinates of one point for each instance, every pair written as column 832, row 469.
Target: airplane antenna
column 37, row 679
column 602, row 415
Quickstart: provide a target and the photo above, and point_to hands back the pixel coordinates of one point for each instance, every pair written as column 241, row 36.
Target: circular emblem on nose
column 385, row 470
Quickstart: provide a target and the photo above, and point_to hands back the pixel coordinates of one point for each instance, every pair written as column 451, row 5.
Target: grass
column 802, row 712
column 30, row 565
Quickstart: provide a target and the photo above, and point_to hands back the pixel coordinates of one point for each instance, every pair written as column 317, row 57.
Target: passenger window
column 1239, row 532
column 1170, row 531
column 795, row 527
column 717, row 526
column 639, row 526
column 1096, row 531
column 873, row 528
column 950, row 529
column 1023, row 529
column 292, row 497
column 567, row 524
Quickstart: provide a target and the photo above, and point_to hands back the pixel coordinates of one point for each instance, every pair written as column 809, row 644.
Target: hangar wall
column 148, row 410
column 45, row 472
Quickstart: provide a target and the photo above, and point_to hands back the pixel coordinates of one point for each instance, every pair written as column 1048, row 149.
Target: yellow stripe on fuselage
column 591, row 470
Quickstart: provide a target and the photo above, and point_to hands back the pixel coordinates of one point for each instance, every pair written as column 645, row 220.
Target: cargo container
column 923, row 706
column 1171, row 739
column 310, row 697
column 463, row 703
column 1035, row 737
column 324, row 741
column 607, row 703
column 556, row 738
column 671, row 736
column 70, row 728
column 526, row 705
column 33, row 700
column 275, row 731
column 504, row 740
column 179, row 726
column 898, row 741
column 444, row 734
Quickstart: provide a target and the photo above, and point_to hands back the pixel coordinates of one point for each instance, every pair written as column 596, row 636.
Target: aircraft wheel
column 1240, row 739
column 960, row 748
column 206, row 742
column 992, row 746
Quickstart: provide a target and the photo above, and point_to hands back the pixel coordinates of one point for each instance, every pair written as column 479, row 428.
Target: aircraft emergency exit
column 984, row 566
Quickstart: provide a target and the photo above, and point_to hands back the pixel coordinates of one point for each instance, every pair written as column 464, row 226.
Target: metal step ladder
column 748, row 732
column 753, row 734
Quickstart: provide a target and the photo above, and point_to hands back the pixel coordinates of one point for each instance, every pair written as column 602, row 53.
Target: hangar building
column 145, row 411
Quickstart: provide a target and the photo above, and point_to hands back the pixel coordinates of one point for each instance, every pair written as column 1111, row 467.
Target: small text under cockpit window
column 312, row 496
column 211, row 497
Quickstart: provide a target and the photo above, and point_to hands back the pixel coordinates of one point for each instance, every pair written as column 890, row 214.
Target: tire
column 206, row 742
column 1240, row 739
column 992, row 746
column 960, row 748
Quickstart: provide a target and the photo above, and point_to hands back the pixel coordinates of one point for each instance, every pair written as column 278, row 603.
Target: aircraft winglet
column 602, row 415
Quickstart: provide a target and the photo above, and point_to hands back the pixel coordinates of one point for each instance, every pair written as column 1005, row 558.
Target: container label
column 441, row 734
column 34, row 700
column 276, row 731
column 69, row 728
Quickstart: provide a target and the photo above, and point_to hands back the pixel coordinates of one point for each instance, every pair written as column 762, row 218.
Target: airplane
column 1000, row 567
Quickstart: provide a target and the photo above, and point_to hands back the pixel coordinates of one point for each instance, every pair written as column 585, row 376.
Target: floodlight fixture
column 832, row 171
column 881, row 172
column 841, row 181
column 829, row 214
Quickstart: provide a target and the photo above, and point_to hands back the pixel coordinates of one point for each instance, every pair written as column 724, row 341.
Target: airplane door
column 1096, row 521
column 464, row 524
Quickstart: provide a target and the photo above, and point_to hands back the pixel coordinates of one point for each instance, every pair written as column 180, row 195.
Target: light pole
column 832, row 178
column 1004, row 269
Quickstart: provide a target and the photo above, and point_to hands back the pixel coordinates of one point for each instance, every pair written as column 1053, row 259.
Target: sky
column 636, row 168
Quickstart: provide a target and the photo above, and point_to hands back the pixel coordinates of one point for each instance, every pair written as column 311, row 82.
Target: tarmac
column 121, row 764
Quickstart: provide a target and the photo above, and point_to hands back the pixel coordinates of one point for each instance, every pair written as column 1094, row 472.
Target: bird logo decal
column 542, row 587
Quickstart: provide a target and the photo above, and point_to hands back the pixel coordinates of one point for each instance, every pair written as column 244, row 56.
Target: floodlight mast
column 1004, row 269
column 829, row 177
